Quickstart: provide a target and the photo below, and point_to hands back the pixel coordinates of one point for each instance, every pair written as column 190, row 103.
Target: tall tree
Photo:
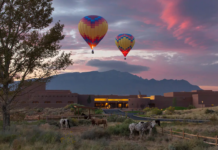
column 89, row 99
column 28, row 49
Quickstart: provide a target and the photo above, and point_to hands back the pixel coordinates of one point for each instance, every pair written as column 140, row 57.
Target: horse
column 86, row 116
column 65, row 122
column 97, row 121
column 141, row 127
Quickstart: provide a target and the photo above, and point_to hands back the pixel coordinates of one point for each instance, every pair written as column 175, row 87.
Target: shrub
column 156, row 111
column 128, row 121
column 171, row 109
column 96, row 133
column 112, row 118
column 120, row 129
column 191, row 107
column 188, row 145
column 98, row 111
column 209, row 111
column 73, row 122
column 147, row 109
column 84, row 122
column 213, row 118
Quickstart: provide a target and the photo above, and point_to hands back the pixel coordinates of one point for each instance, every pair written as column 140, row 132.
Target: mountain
column 117, row 83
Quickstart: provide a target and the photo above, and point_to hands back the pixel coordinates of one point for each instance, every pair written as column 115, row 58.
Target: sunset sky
column 174, row 39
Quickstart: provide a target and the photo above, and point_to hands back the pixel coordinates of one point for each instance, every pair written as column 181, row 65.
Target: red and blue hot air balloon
column 125, row 43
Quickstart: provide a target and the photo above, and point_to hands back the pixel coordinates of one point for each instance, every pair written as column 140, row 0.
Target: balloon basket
column 124, row 58
column 92, row 52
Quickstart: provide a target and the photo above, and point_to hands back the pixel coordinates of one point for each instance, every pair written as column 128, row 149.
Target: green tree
column 28, row 49
column 89, row 99
column 174, row 102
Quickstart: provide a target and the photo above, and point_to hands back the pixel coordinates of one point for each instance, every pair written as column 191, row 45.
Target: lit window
column 70, row 101
column 35, row 101
column 47, row 102
column 58, row 101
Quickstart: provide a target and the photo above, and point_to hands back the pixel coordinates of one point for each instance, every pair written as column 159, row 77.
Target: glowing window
column 35, row 101
column 70, row 101
column 47, row 102
column 119, row 105
column 58, row 101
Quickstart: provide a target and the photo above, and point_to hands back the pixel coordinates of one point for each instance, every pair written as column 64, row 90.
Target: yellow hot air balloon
column 93, row 29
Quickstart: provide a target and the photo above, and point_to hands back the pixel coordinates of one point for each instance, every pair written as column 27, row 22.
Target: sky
column 174, row 39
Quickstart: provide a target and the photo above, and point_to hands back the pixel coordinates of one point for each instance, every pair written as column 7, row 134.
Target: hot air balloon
column 125, row 43
column 93, row 29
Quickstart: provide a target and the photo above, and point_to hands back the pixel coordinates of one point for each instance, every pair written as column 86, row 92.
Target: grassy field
column 40, row 135
column 197, row 114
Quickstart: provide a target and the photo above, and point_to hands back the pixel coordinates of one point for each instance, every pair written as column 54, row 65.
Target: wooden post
column 183, row 134
column 197, row 135
column 89, row 111
column 216, row 140
column 162, row 130
column 171, row 132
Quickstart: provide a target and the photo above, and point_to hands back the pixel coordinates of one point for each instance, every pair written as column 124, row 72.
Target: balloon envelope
column 93, row 29
column 125, row 43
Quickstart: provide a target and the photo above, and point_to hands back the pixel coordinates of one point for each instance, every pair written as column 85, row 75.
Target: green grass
column 133, row 111
column 179, row 108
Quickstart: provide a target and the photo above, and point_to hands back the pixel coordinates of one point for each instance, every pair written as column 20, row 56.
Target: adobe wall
column 163, row 102
column 208, row 99
column 140, row 103
column 83, row 100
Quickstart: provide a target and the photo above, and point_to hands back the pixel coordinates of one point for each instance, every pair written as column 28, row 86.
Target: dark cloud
column 116, row 65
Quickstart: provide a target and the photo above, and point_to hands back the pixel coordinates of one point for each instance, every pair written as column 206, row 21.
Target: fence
column 38, row 117
column 182, row 135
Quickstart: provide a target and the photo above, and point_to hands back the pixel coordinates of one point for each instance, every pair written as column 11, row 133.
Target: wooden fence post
column 183, row 134
column 197, row 135
column 216, row 140
column 171, row 132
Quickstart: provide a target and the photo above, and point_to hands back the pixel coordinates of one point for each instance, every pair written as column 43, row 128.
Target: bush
column 213, row 118
column 96, row 133
column 188, row 145
column 147, row 109
column 156, row 111
column 98, row 111
column 84, row 122
column 171, row 109
column 120, row 129
column 73, row 122
column 191, row 107
column 209, row 111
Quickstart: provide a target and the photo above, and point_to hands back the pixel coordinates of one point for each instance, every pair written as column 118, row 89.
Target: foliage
column 96, row 133
column 152, row 111
column 120, row 129
column 116, row 118
column 73, row 122
column 89, row 99
column 27, row 51
column 191, row 107
column 188, row 145
column 98, row 111
column 213, row 118
column 209, row 111
column 84, row 122
column 174, row 102
column 147, row 109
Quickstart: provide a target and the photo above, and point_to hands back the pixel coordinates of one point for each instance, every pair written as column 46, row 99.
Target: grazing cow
column 97, row 121
column 141, row 127
column 65, row 122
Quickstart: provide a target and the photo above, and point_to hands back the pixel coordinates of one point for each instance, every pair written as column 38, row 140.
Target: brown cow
column 97, row 121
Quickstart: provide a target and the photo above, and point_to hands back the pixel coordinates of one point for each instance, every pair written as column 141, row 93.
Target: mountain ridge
column 116, row 82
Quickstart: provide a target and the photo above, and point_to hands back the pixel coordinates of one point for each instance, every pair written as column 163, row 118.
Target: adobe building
column 38, row 96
